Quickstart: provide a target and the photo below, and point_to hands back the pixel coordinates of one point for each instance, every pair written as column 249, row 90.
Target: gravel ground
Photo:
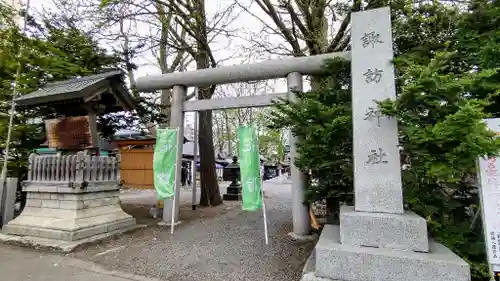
column 228, row 244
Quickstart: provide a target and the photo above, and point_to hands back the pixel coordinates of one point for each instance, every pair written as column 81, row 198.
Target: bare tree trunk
column 229, row 135
column 220, row 135
column 166, row 94
column 210, row 194
column 165, row 103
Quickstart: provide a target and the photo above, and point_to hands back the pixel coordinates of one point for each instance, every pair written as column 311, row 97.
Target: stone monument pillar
column 377, row 219
column 378, row 240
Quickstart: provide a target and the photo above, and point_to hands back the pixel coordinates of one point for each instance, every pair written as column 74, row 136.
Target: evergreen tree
column 49, row 53
column 447, row 81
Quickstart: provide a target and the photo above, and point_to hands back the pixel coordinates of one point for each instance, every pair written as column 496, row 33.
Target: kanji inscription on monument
column 370, row 39
column 377, row 171
column 373, row 75
column 377, row 156
column 373, row 113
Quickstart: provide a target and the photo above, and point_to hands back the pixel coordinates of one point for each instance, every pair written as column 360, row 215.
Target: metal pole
column 195, row 154
column 264, row 213
column 14, row 96
column 301, row 225
column 176, row 121
column 176, row 200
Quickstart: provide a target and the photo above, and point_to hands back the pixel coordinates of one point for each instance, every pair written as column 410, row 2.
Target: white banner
column 489, row 173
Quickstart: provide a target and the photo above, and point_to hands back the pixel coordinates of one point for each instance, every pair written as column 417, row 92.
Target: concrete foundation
column 336, row 261
column 63, row 213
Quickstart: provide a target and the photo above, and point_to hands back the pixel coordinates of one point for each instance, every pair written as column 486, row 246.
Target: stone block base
column 60, row 245
column 404, row 232
column 338, row 261
column 231, row 197
column 70, row 217
column 233, row 193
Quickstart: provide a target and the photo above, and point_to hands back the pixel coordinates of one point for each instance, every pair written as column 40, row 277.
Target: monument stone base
column 336, row 261
column 407, row 231
column 233, row 193
column 70, row 214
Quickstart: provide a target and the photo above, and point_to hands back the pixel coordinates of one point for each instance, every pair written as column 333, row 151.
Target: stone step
column 406, row 231
column 335, row 261
column 103, row 224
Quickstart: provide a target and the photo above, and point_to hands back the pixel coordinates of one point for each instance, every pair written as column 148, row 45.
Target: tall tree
column 189, row 18
column 51, row 52
column 305, row 26
column 119, row 24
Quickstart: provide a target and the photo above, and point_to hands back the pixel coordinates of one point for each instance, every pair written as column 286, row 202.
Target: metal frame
column 291, row 68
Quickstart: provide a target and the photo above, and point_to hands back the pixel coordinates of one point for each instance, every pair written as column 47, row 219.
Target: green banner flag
column 164, row 164
column 250, row 168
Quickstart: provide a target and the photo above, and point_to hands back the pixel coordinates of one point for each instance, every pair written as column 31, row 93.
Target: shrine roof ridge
column 111, row 81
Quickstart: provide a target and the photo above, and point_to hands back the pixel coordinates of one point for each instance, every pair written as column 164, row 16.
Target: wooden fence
column 137, row 168
column 69, row 168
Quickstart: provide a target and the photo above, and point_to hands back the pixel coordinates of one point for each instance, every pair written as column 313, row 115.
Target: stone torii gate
column 291, row 68
column 377, row 239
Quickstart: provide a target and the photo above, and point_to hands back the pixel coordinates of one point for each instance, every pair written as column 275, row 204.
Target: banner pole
column 264, row 211
column 194, row 169
column 15, row 93
column 262, row 193
column 173, row 217
column 172, row 223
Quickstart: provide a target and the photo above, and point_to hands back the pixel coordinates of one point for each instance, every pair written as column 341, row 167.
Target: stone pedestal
column 56, row 211
column 233, row 192
column 339, row 261
column 405, row 232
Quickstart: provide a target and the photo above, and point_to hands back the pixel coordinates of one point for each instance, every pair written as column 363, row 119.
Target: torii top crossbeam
column 270, row 69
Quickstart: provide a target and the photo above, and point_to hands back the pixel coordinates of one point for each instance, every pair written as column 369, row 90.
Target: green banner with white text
column 250, row 168
column 164, row 164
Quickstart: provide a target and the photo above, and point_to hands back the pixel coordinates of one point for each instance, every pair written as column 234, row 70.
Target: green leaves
column 53, row 51
column 448, row 81
column 322, row 120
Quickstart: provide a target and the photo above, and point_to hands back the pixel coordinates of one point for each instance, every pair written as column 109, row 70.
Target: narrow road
column 21, row 264
column 226, row 247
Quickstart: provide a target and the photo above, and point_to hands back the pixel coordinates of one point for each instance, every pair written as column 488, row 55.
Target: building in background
column 189, row 131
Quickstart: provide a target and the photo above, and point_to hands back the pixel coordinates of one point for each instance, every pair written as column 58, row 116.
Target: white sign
column 489, row 171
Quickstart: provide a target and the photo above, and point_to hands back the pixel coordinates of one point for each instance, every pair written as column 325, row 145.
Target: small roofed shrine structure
column 77, row 103
column 73, row 196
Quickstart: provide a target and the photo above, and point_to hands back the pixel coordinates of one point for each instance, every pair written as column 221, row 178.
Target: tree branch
column 266, row 5
column 335, row 44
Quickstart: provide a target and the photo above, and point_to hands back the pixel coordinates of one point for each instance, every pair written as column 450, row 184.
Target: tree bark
column 229, row 135
column 220, row 136
column 210, row 194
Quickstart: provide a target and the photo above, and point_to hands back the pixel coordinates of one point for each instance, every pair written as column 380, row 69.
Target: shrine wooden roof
column 107, row 88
